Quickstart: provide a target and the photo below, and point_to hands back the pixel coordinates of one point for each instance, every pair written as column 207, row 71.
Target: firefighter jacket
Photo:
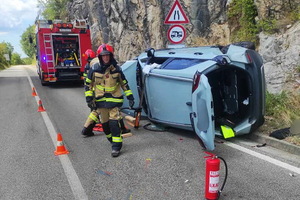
column 105, row 86
column 87, row 81
column 85, row 73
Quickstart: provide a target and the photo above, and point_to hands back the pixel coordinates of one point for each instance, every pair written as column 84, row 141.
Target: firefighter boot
column 88, row 131
column 116, row 137
column 107, row 132
column 123, row 128
column 115, row 153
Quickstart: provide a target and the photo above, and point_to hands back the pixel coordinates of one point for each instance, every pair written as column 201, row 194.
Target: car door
column 129, row 70
column 202, row 115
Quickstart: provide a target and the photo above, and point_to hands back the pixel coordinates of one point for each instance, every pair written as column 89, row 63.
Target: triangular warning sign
column 176, row 15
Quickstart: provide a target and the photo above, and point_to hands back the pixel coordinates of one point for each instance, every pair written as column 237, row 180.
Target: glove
column 89, row 99
column 131, row 103
column 131, row 100
column 91, row 105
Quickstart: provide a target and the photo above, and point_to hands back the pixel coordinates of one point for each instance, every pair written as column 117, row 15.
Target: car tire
column 245, row 44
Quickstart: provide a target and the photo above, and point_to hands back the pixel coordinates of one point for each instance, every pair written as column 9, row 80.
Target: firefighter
column 93, row 118
column 89, row 55
column 107, row 79
column 88, row 128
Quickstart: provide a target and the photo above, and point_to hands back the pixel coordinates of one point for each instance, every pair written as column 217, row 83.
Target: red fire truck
column 60, row 49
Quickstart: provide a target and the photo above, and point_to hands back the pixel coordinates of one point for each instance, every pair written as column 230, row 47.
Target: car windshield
column 180, row 63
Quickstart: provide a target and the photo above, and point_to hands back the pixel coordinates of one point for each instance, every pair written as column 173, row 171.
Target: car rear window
column 180, row 63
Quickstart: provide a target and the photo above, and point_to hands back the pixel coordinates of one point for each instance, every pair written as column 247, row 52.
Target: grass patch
column 271, row 25
column 298, row 69
column 281, row 110
column 267, row 26
column 294, row 140
column 241, row 19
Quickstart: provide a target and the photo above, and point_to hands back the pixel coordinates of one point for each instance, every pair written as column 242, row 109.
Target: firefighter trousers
column 110, row 120
column 93, row 118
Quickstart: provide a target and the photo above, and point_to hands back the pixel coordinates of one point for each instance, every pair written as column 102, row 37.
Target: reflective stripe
column 108, row 136
column 100, row 87
column 88, row 80
column 89, row 93
column 128, row 92
column 108, row 89
column 93, row 117
column 227, row 132
column 117, row 139
column 84, row 74
column 110, row 100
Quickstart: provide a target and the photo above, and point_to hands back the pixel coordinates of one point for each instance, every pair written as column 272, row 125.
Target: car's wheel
column 245, row 44
column 257, row 124
column 39, row 72
column 44, row 83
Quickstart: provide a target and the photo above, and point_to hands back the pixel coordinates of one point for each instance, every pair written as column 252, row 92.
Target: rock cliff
column 132, row 26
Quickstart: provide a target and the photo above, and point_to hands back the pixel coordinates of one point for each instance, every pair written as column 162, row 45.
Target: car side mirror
column 150, row 52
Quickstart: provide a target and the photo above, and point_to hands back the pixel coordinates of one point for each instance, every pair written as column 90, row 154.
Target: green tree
column 28, row 48
column 5, row 49
column 54, row 9
column 16, row 59
column 3, row 62
column 241, row 16
column 28, row 61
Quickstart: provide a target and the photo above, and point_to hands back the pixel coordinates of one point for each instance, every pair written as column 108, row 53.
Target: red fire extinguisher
column 212, row 176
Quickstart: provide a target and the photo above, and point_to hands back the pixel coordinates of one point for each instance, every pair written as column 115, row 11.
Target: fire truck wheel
column 44, row 83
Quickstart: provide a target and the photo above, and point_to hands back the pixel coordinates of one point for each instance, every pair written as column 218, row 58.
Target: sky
column 15, row 17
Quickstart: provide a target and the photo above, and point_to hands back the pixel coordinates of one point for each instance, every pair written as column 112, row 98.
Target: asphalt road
column 153, row 165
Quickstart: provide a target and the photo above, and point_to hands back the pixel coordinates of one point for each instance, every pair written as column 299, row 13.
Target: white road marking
column 264, row 157
column 70, row 172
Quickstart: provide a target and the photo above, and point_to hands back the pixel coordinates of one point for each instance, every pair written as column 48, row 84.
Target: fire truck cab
column 60, row 49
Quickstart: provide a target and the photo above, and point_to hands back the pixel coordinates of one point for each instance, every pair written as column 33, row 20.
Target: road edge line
column 264, row 157
column 73, row 179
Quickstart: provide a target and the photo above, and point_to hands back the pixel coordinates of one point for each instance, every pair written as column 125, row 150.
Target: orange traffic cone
column 41, row 108
column 33, row 92
column 60, row 148
column 98, row 128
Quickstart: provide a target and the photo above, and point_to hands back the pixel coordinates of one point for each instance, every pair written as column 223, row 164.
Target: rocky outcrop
column 135, row 25
column 132, row 26
column 281, row 54
column 277, row 9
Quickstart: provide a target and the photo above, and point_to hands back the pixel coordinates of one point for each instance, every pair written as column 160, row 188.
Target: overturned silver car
column 210, row 89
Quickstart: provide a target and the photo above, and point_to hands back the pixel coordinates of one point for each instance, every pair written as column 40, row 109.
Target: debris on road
column 261, row 145
column 104, row 173
column 292, row 174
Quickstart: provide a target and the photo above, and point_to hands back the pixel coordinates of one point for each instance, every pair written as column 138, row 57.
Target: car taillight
column 249, row 58
column 196, row 81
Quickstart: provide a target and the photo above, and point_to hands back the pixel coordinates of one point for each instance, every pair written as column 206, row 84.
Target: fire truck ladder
column 49, row 55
